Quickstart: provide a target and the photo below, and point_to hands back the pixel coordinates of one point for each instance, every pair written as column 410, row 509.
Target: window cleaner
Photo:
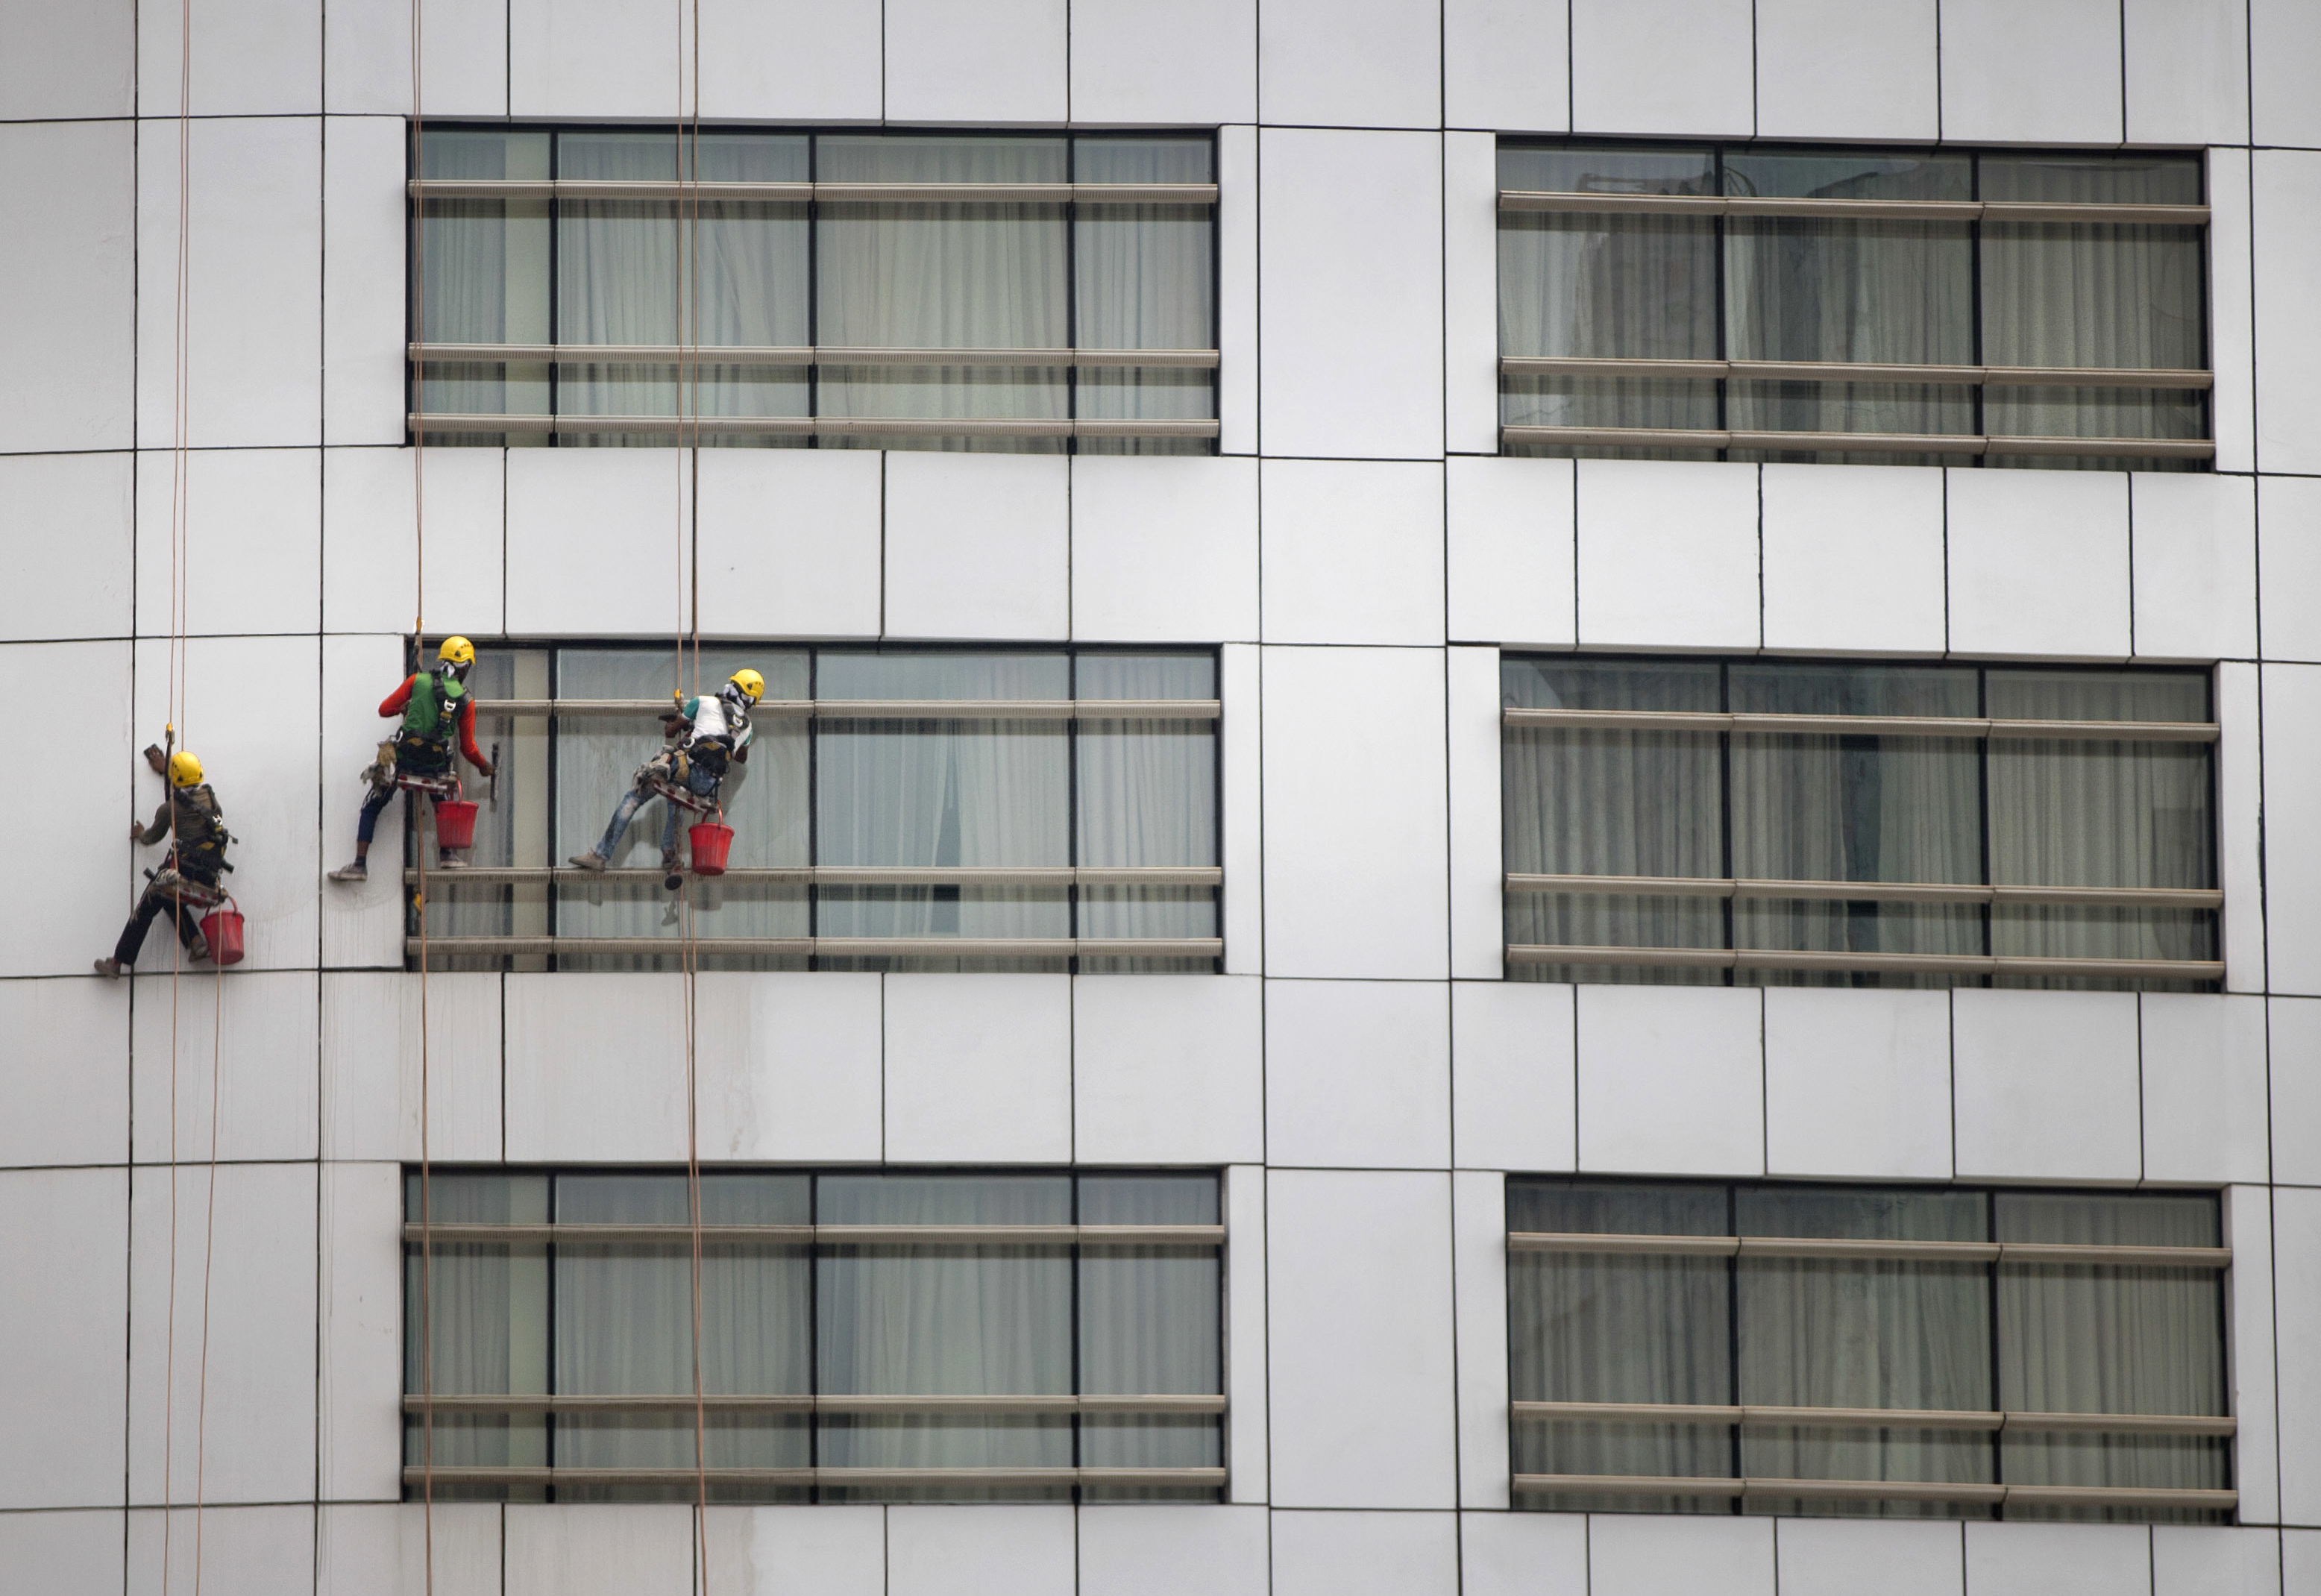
column 418, row 757
column 707, row 734
column 186, row 883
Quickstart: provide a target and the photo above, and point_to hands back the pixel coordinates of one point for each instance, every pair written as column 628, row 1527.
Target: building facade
column 1265, row 1138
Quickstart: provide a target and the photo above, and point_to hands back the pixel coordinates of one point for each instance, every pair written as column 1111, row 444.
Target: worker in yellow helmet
column 705, row 736
column 435, row 705
column 190, row 818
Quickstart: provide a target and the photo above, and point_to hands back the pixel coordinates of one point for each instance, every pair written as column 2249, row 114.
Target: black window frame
column 1718, row 149
column 419, row 651
column 812, row 131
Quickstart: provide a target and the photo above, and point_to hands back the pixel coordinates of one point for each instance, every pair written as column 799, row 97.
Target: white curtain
column 1864, row 1333
column 2050, row 1338
column 1612, row 803
column 489, row 1308
column 943, row 792
column 1146, row 795
column 1894, row 292
column 781, row 1319
column 764, row 799
column 484, row 274
column 1601, row 1328
column 923, row 276
column 2055, row 813
column 2092, row 813
column 945, row 1320
column 2081, row 1339
column 1855, row 809
column 2086, row 293
column 1149, row 1320
column 619, row 266
column 1580, row 283
column 624, row 1323
column 1142, row 279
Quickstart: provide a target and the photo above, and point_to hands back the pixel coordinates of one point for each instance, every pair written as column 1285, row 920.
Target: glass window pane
column 2093, row 294
column 1149, row 1322
column 943, row 1320
column 487, row 1306
column 1845, row 1333
column 1855, row 809
column 1620, row 803
column 484, row 274
column 929, row 276
column 1142, row 279
column 2090, row 814
column 1850, row 290
column 511, row 827
column 764, row 799
column 2086, row 1339
column 1573, row 283
column 943, row 792
column 1146, row 795
column 1588, row 1328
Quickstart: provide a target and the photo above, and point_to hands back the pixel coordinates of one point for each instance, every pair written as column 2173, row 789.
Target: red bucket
column 710, row 840
column 222, row 928
column 455, row 823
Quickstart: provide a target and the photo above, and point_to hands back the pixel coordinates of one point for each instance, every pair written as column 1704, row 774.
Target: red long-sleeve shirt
column 396, row 701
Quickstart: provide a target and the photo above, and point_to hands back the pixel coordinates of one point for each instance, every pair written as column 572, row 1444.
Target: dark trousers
column 155, row 903
column 410, row 760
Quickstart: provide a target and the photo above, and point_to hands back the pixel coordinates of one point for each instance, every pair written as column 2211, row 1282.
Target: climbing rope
column 688, row 261
column 410, row 809
column 174, row 717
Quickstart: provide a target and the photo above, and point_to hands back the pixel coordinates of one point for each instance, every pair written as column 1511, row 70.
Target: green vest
column 435, row 702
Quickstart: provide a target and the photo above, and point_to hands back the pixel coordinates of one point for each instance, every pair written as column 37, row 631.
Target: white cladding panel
column 1354, row 772
column 80, row 267
column 1362, row 1410
column 62, row 1384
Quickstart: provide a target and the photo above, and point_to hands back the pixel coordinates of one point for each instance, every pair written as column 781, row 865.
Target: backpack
column 201, row 832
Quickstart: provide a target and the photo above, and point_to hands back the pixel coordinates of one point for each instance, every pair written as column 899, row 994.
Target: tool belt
column 189, row 886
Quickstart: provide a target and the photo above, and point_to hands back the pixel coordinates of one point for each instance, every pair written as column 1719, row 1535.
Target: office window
column 900, row 809
column 1898, row 1352
column 890, row 290
column 1907, row 308
column 1766, row 822
column 882, row 1336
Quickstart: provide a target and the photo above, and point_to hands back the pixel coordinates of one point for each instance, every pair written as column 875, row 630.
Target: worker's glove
column 136, row 831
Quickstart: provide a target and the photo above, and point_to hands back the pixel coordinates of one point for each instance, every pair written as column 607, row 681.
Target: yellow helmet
column 458, row 649
column 184, row 770
column 752, row 685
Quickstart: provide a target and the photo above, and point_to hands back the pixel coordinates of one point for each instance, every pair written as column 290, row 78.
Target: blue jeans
column 697, row 782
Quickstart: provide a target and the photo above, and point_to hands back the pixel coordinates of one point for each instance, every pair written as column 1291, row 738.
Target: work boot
column 198, row 949
column 591, row 860
column 675, row 877
column 109, row 967
column 357, row 871
column 449, row 860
